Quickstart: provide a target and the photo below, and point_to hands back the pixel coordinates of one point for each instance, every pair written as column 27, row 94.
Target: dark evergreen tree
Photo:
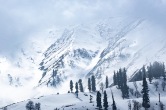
column 157, row 69
column 106, row 82
column 163, row 72
column 76, row 87
column 150, row 73
column 113, row 104
column 89, row 84
column 124, row 76
column 105, row 102
column 30, row 106
column 126, row 91
column 93, row 83
column 115, row 78
column 124, row 87
column 118, row 79
column 71, row 85
column 80, row 85
column 98, row 99
column 37, row 106
column 145, row 92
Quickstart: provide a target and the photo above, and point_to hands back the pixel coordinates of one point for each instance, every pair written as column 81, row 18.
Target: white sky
column 20, row 18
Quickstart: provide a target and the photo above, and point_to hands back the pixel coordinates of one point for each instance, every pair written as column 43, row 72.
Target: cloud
column 19, row 19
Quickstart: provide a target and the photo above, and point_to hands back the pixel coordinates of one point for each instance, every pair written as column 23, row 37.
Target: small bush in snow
column 30, row 106
column 5, row 108
column 131, row 91
column 136, row 105
column 37, row 106
column 163, row 85
column 156, row 84
column 161, row 106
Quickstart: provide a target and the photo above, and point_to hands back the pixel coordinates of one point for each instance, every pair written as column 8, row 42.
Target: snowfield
column 69, row 101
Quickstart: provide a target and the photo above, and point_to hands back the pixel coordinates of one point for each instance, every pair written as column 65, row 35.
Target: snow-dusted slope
column 69, row 101
column 100, row 47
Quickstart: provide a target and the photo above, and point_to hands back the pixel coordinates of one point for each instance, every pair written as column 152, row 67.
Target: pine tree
column 80, row 85
column 124, row 76
column 115, row 78
column 93, row 83
column 71, row 85
column 126, row 91
column 89, row 84
column 105, row 102
column 98, row 99
column 76, row 87
column 113, row 104
column 163, row 72
column 106, row 82
column 150, row 73
column 118, row 79
column 146, row 101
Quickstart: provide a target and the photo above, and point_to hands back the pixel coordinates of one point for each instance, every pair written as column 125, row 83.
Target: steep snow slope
column 69, row 101
column 71, row 54
column 100, row 47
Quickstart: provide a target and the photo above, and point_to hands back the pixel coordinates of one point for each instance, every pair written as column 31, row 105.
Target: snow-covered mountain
column 100, row 47
column 53, row 57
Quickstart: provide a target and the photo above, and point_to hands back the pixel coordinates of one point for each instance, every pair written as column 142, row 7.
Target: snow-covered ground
column 69, row 101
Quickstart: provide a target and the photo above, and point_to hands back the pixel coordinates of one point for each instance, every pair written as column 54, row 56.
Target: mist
column 21, row 20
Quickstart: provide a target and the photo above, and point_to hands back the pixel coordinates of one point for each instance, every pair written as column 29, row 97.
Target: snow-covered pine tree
column 124, row 76
column 145, row 92
column 76, row 87
column 93, row 83
column 163, row 72
column 105, row 102
column 150, row 73
column 89, row 84
column 106, row 82
column 115, row 78
column 80, row 85
column 71, row 85
column 118, row 79
column 98, row 99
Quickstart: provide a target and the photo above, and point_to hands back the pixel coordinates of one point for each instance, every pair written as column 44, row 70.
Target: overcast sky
column 20, row 18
